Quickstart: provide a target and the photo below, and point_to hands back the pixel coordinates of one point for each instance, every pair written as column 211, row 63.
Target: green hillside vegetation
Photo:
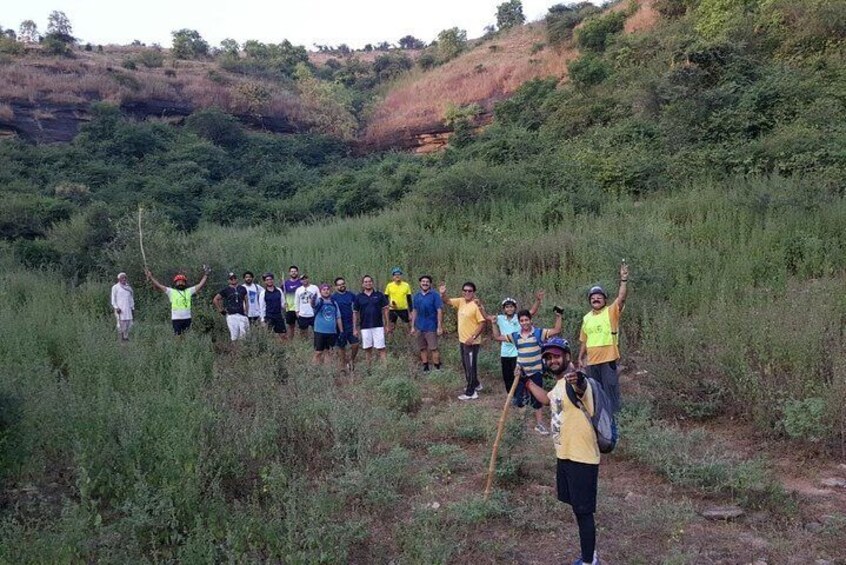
column 710, row 153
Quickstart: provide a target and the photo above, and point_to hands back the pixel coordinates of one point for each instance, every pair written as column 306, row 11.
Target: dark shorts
column 577, row 485
column 401, row 314
column 277, row 325
column 324, row 342
column 346, row 337
column 427, row 341
column 181, row 326
column 290, row 318
column 522, row 396
column 305, row 323
column 253, row 319
column 606, row 374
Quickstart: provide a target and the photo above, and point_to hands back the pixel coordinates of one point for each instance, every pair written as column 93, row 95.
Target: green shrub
column 588, row 70
column 129, row 64
column 400, row 394
column 805, row 419
column 597, row 32
column 150, row 58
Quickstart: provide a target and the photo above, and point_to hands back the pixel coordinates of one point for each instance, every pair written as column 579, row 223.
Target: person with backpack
column 327, row 323
column 272, row 306
column 577, row 452
column 599, row 338
column 527, row 341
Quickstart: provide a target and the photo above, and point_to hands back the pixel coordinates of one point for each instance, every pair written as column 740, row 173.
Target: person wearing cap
column 576, row 449
column 180, row 298
column 471, row 325
column 272, row 307
column 123, row 304
column 370, row 316
column 507, row 323
column 231, row 301
column 290, row 286
column 327, row 323
column 427, row 320
column 253, row 291
column 399, row 299
column 304, row 298
column 599, row 338
column 345, row 300
column 528, row 342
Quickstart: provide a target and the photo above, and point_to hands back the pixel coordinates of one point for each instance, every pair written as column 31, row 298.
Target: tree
column 510, row 14
column 59, row 26
column 451, row 42
column 189, row 44
column 411, row 42
column 229, row 47
column 28, row 32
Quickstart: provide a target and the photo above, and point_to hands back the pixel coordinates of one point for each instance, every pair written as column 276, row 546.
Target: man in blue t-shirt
column 370, row 316
column 327, row 322
column 427, row 316
column 344, row 299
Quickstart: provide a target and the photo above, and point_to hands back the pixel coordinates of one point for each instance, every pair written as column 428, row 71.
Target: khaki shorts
column 427, row 340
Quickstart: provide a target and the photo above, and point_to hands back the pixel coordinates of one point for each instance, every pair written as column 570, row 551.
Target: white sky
column 305, row 22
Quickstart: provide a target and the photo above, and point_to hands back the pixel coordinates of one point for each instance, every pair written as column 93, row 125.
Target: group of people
column 340, row 319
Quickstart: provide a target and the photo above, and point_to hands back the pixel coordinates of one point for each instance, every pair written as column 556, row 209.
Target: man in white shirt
column 253, row 292
column 123, row 304
column 303, row 298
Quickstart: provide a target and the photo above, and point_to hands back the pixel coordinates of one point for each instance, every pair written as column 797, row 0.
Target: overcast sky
column 304, row 22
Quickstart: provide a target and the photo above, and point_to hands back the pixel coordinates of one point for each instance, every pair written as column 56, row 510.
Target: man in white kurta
column 123, row 303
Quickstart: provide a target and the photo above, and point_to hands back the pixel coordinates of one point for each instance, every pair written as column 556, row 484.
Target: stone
column 427, row 400
column 823, row 562
column 435, row 505
column 834, row 482
column 814, row 527
column 723, row 512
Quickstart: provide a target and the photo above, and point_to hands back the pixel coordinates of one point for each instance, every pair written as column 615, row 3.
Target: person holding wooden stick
column 576, row 448
column 180, row 298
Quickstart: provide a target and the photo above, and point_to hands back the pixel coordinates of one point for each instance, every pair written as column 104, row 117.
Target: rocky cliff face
column 48, row 122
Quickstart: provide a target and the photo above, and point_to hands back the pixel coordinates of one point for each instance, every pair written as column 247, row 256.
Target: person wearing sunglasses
column 471, row 325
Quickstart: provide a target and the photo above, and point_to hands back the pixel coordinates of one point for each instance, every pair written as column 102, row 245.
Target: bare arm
column 583, row 354
column 538, row 392
column 537, row 304
column 355, row 323
column 202, row 282
column 496, row 333
column 440, row 321
column 411, row 330
column 156, row 283
column 556, row 329
column 624, row 286
column 218, row 302
column 443, row 290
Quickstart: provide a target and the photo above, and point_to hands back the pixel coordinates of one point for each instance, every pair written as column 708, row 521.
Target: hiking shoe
column 541, row 429
column 594, row 562
column 479, row 387
column 474, row 396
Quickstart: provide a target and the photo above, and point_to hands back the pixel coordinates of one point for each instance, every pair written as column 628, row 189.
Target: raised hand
column 624, row 270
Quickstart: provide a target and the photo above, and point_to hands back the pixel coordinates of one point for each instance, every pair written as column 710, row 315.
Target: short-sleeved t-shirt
column 398, row 293
column 180, row 313
column 370, row 308
column 604, row 353
column 529, row 349
column 469, row 319
column 572, row 433
column 233, row 299
column 290, row 287
column 426, row 307
column 253, row 292
column 326, row 312
column 507, row 326
column 345, row 300
column 303, row 298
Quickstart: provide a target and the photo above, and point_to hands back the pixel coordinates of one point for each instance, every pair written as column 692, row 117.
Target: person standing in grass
column 180, row 298
column 370, row 317
column 327, row 324
column 123, row 305
column 427, row 317
column 272, row 307
column 399, row 299
column 507, row 323
column 304, row 297
column 231, row 301
column 345, row 299
column 599, row 338
column 576, row 448
column 290, row 286
column 528, row 342
column 253, row 291
column 471, row 324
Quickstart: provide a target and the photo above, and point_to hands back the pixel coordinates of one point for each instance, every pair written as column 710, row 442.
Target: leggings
column 470, row 363
column 587, row 535
column 508, row 366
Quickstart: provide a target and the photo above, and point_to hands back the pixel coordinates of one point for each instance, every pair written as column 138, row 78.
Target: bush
column 588, row 70
column 150, row 58
column 596, row 33
column 400, row 394
column 805, row 419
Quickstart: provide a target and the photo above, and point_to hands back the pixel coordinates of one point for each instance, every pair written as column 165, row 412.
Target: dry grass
column 488, row 73
column 319, row 59
column 6, row 112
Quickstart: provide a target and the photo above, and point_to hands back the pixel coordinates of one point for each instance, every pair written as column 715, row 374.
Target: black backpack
column 603, row 420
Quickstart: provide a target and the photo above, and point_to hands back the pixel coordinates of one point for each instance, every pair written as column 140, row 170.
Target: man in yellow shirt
column 576, row 448
column 471, row 324
column 599, row 338
column 399, row 299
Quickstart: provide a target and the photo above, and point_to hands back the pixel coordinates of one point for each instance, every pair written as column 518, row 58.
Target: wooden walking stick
column 499, row 428
column 141, row 239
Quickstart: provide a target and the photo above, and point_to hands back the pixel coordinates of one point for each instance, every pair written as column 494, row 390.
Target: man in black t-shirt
column 232, row 303
column 370, row 317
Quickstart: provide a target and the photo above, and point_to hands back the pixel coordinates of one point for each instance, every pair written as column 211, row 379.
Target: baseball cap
column 233, row 276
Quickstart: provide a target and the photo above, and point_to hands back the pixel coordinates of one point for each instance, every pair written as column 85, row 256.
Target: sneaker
column 541, row 429
column 474, row 396
column 594, row 562
column 479, row 387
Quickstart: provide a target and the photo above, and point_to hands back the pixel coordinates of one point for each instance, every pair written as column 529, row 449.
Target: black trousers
column 470, row 364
